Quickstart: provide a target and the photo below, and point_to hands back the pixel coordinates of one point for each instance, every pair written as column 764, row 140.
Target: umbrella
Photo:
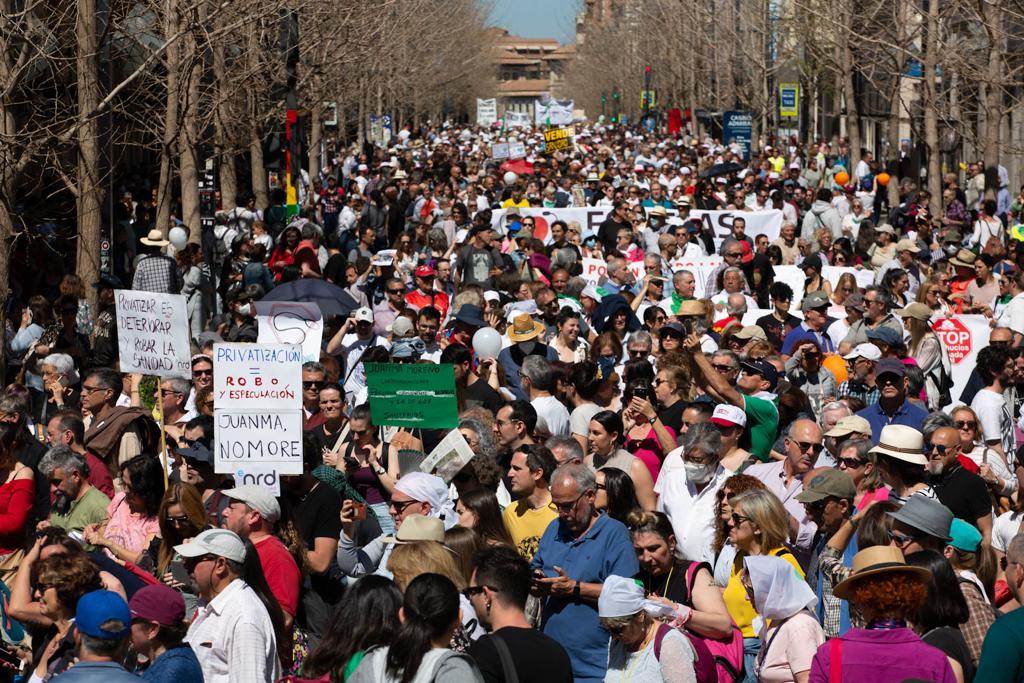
column 332, row 299
column 518, row 166
column 721, row 169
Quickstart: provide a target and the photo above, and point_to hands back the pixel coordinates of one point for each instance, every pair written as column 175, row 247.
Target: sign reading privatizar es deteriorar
column 152, row 333
column 257, row 391
column 411, row 395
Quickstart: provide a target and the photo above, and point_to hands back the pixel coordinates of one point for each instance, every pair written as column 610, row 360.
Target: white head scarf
column 779, row 592
column 624, row 597
column 428, row 488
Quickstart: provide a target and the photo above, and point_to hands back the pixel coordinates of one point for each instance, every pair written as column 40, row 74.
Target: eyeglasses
column 568, row 507
column 738, row 519
column 395, row 291
column 312, row 384
column 888, row 379
column 88, row 390
column 659, row 381
column 192, row 562
column 935, row 447
column 183, row 519
column 616, row 629
column 202, row 373
column 901, row 540
column 852, row 463
column 966, row 424
column 805, row 446
column 470, row 591
column 722, row 367
column 734, row 254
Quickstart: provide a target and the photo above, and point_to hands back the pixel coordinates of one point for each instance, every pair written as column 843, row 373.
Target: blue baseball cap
column 101, row 607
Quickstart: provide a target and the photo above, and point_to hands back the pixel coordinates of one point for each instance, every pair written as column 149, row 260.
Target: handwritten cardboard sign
column 291, row 322
column 412, row 395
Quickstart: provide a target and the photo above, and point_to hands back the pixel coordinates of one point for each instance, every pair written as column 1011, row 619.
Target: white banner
column 486, row 111
column 517, row 119
column 864, row 277
column 297, row 323
column 589, row 218
column 963, row 336
column 152, row 333
column 265, row 476
column 553, row 112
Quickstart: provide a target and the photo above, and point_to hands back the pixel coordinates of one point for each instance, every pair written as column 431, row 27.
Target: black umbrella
column 721, row 169
column 332, row 299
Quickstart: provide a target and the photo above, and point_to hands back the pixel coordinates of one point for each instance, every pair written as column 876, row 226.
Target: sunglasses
column 902, row 540
column 934, row 447
column 721, row 367
column 183, row 519
column 396, row 291
column 312, row 384
column 852, row 463
column 470, row 591
column 805, row 446
column 400, row 505
column 202, row 373
column 966, row 424
column 738, row 519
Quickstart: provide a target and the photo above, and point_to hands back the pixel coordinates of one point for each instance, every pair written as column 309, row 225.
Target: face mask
column 245, row 309
column 527, row 346
column 698, row 473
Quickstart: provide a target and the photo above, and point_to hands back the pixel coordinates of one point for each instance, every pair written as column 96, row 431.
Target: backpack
column 703, row 661
column 726, row 653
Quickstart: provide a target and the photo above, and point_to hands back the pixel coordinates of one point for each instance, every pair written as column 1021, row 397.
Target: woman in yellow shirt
column 757, row 527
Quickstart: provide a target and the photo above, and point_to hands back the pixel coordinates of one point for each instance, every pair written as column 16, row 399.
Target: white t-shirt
column 580, row 418
column 1013, row 315
column 1004, row 528
column 553, row 413
column 837, row 331
column 995, row 418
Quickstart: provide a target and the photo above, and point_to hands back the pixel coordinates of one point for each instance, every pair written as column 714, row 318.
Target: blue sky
column 537, row 18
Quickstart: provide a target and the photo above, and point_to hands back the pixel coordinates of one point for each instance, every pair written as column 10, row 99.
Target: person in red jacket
column 425, row 294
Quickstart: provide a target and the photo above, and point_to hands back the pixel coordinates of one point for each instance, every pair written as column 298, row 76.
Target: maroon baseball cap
column 158, row 603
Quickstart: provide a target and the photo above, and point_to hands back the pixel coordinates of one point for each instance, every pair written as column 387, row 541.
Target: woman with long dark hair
column 132, row 516
column 367, row 617
column 478, row 510
column 606, row 441
column 939, row 617
column 615, row 494
column 429, row 615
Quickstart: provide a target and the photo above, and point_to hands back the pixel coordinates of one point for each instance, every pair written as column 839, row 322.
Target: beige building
column 528, row 69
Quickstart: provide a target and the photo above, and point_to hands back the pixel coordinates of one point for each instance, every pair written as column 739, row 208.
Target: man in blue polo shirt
column 892, row 407
column 577, row 552
column 815, row 309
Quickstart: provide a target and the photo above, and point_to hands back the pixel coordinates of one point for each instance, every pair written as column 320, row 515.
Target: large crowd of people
column 837, row 507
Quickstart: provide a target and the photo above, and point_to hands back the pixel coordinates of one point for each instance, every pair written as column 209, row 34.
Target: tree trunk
column 165, row 190
column 849, row 93
column 223, row 143
column 187, row 141
column 315, row 135
column 930, row 101
column 893, row 134
column 89, row 204
column 994, row 93
column 257, row 170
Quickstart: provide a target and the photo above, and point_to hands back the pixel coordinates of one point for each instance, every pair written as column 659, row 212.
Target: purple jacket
column 884, row 656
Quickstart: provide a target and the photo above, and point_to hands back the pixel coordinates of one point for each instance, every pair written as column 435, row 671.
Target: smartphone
column 641, row 392
column 539, row 574
column 358, row 510
column 10, row 659
column 179, row 573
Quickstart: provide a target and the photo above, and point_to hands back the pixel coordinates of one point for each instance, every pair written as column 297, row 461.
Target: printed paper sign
column 298, row 323
column 558, row 139
column 152, row 333
column 448, row 457
column 412, row 395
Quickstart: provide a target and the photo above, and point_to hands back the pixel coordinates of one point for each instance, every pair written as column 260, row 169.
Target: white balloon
column 178, row 237
column 486, row 343
column 510, row 178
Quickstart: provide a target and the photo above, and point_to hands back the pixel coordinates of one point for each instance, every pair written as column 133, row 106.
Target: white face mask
column 698, row 473
column 245, row 309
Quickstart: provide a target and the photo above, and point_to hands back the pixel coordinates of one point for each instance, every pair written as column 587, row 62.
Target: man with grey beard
column 962, row 491
column 76, row 502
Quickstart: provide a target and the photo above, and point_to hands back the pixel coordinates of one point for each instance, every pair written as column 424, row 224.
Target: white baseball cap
column 866, row 350
column 726, row 415
column 259, row 499
column 363, row 315
column 219, row 542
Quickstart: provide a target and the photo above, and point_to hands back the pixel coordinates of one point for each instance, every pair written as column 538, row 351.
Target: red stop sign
column 955, row 335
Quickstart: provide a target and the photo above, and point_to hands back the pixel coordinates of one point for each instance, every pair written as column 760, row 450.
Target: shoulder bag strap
column 835, row 660
column 508, row 667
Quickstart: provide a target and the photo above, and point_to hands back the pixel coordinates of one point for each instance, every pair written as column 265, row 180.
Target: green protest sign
column 411, row 395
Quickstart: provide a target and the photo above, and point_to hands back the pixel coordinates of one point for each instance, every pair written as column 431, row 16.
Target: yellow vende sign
column 558, row 139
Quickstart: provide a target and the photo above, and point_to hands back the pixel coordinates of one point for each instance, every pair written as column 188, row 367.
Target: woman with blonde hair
column 932, row 294
column 181, row 516
column 758, row 525
column 989, row 464
column 845, row 286
column 725, row 551
column 926, row 349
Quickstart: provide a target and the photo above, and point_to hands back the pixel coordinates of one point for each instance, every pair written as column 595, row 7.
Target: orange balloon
column 837, row 366
column 842, row 178
column 882, row 178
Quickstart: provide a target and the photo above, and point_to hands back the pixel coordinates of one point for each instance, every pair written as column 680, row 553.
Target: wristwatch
column 380, row 470
column 576, row 592
column 653, row 419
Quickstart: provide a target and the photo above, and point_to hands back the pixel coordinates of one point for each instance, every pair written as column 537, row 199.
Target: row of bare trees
column 92, row 87
column 947, row 74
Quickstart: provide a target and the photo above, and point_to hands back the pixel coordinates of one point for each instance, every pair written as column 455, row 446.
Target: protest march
column 460, row 417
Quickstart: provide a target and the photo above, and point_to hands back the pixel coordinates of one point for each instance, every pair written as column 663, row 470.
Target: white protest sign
column 265, row 476
column 517, row 119
column 553, row 112
column 794, row 277
column 499, row 150
column 486, row 111
column 258, row 415
column 152, row 333
column 963, row 336
column 516, row 150
column 593, row 270
column 291, row 322
column 863, row 276
column 448, row 457
column 384, row 257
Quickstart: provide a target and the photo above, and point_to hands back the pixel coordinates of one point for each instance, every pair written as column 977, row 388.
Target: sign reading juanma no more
column 409, row 395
